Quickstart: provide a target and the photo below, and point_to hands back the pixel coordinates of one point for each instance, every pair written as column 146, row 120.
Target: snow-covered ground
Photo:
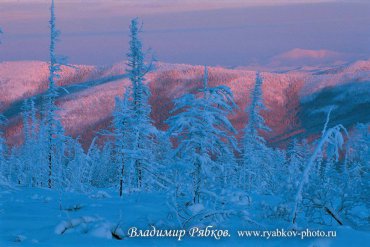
column 32, row 217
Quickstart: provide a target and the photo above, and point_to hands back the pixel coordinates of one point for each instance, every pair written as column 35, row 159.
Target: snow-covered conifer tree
column 294, row 163
column 143, row 131
column 124, row 137
column 255, row 171
column 78, row 173
column 95, row 160
column 32, row 152
column 51, row 129
column 256, row 122
column 28, row 144
column 202, row 130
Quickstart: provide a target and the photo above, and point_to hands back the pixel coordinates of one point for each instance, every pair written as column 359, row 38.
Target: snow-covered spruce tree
column 124, row 133
column 100, row 163
column 76, row 176
column 51, row 130
column 163, row 157
column 124, row 137
column 29, row 150
column 202, row 131
column 93, row 157
column 143, row 132
column 256, row 172
column 294, row 165
column 27, row 163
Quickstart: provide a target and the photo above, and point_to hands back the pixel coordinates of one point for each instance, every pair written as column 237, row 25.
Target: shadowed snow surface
column 31, row 217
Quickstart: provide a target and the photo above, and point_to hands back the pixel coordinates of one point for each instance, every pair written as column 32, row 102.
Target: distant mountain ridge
column 302, row 57
column 299, row 59
column 87, row 99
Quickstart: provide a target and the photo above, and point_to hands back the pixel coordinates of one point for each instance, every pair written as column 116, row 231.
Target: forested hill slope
column 297, row 100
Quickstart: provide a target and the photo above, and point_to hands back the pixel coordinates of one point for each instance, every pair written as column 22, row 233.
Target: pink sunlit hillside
column 86, row 110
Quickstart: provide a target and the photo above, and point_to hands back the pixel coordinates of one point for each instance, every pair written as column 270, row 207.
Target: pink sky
column 216, row 32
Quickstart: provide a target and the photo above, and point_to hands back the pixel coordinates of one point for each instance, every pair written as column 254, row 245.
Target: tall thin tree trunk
column 121, row 178
column 50, row 160
column 197, row 181
column 138, row 165
column 138, row 173
column 50, row 170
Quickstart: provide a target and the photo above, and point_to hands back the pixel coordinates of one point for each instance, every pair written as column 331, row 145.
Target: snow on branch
column 333, row 136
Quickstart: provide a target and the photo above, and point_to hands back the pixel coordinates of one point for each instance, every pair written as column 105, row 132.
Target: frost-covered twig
column 327, row 121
